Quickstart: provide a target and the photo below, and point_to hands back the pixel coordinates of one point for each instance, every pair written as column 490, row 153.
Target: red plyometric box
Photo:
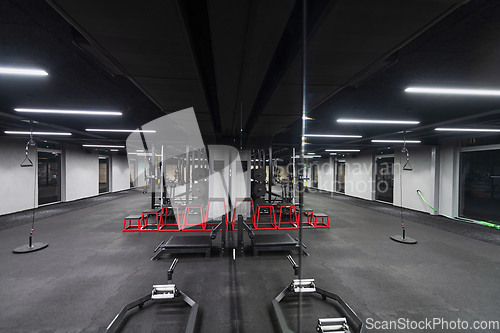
column 265, row 225
column 234, row 223
column 200, row 226
column 172, row 226
column 322, row 217
column 130, row 226
column 146, row 225
column 310, row 221
column 208, row 207
column 292, row 222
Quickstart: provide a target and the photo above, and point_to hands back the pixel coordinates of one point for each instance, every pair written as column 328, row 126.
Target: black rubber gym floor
column 91, row 269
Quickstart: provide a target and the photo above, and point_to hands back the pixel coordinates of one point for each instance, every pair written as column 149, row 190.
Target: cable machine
column 27, row 163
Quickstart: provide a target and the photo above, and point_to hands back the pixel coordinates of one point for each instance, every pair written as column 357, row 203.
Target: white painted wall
column 16, row 183
column 120, row 173
column 82, row 173
column 359, row 175
column 325, row 174
column 449, row 186
column 421, row 178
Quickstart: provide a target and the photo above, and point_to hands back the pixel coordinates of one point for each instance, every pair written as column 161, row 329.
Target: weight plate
column 199, row 189
column 259, row 175
column 259, row 190
column 200, row 173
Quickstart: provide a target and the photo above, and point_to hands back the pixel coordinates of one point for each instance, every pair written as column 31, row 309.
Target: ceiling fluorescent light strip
column 332, row 136
column 119, row 130
column 344, row 150
column 308, row 156
column 110, row 113
column 37, row 133
column 468, row 129
column 102, row 146
column 396, row 141
column 374, row 121
column 23, row 71
column 452, row 91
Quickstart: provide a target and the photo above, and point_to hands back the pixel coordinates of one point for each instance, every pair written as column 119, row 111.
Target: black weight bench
column 192, row 244
column 267, row 242
column 184, row 244
column 274, row 242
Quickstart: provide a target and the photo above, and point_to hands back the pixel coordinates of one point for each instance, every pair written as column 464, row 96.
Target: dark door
column 385, row 179
column 49, row 177
column 480, row 185
column 103, row 174
column 340, row 183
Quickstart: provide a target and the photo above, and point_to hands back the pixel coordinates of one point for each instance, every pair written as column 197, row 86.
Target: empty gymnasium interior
column 249, row 166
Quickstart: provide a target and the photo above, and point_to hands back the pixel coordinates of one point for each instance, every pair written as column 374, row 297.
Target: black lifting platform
column 267, row 242
column 192, row 244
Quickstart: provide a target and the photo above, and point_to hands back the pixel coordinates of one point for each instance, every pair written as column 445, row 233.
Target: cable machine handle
column 172, row 267
column 292, row 262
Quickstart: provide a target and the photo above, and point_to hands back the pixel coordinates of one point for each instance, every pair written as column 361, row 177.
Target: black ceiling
column 239, row 62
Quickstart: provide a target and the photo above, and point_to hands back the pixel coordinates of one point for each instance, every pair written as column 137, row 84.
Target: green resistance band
column 488, row 224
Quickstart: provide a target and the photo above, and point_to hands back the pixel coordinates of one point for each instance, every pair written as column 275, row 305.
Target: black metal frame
column 115, row 325
column 352, row 316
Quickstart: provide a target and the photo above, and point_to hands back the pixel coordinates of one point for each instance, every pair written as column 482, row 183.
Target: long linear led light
column 374, row 121
column 467, row 129
column 308, row 156
column 344, row 150
column 109, row 113
column 332, row 136
column 119, row 130
column 23, row 71
column 141, row 154
column 397, row 141
column 451, row 91
column 102, row 146
column 37, row 133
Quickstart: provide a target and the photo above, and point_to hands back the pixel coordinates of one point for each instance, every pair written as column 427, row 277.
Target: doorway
column 480, row 185
column 314, row 175
column 49, row 177
column 103, row 174
column 384, row 187
column 340, row 181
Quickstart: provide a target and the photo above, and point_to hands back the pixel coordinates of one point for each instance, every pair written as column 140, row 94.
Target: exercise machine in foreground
column 160, row 293
column 193, row 244
column 348, row 324
column 267, row 242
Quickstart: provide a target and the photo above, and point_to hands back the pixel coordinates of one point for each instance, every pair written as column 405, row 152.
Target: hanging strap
column 27, row 162
column 407, row 166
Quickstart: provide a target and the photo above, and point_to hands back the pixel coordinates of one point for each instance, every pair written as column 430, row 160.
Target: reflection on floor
column 91, row 269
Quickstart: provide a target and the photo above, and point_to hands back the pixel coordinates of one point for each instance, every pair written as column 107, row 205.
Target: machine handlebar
column 292, row 262
column 172, row 267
